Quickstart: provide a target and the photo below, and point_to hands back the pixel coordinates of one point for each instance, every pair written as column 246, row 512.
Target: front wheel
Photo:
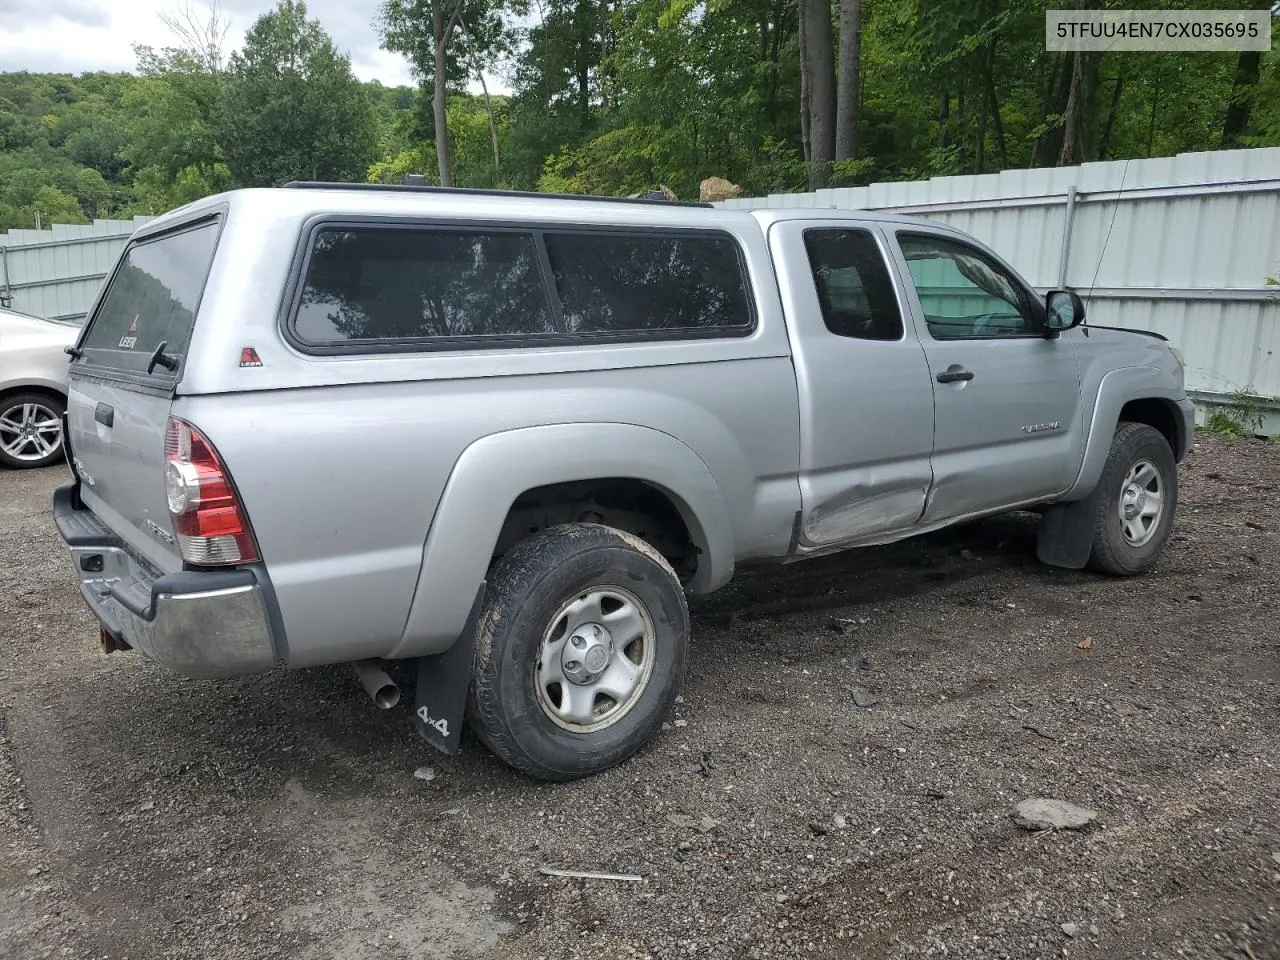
column 580, row 651
column 1139, row 496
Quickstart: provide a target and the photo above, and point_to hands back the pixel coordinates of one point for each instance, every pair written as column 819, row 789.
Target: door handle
column 955, row 374
column 105, row 414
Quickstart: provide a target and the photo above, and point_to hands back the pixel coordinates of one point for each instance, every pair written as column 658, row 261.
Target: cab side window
column 853, row 285
column 964, row 294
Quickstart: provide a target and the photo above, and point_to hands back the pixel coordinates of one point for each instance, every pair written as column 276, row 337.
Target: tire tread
column 514, row 579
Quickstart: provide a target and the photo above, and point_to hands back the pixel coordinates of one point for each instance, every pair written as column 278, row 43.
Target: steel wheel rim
column 1141, row 506
column 30, row 431
column 587, row 686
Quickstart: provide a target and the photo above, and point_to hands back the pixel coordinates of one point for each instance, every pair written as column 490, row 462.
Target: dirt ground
column 147, row 816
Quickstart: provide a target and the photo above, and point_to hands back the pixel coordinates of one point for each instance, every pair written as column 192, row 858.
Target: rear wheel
column 1139, row 496
column 580, row 651
column 30, row 430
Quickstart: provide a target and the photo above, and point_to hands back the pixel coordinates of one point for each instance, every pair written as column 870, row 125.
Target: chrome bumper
column 197, row 623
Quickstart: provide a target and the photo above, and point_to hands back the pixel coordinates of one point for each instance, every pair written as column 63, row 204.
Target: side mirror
column 1064, row 310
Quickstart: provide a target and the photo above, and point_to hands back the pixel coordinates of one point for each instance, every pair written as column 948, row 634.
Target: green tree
column 291, row 108
column 444, row 40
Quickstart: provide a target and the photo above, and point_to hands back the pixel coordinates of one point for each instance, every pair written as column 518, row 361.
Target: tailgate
column 122, row 383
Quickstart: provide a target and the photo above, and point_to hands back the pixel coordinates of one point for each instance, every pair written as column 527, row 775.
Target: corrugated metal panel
column 1178, row 245
column 56, row 273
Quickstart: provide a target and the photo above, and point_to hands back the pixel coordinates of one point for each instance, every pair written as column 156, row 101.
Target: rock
column 718, row 188
column 863, row 697
column 1042, row 814
column 1093, row 929
column 967, row 554
column 1070, row 929
column 839, row 821
column 686, row 822
column 1085, row 644
column 682, row 723
column 424, row 773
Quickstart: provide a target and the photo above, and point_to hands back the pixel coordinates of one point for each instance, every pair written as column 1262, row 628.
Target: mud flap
column 440, row 693
column 1065, row 534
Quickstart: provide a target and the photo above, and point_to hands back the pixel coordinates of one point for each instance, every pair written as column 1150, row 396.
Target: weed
column 1241, row 416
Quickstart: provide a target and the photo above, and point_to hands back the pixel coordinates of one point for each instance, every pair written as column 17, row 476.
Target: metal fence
column 1180, row 245
column 56, row 273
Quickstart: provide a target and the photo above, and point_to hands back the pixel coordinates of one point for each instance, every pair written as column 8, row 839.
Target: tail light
column 208, row 520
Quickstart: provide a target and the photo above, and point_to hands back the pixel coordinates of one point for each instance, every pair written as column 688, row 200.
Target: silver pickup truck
column 502, row 436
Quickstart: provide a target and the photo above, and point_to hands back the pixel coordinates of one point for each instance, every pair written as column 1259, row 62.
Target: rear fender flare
column 494, row 470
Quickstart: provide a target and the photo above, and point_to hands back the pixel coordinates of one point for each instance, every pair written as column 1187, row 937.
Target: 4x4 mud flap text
column 440, row 694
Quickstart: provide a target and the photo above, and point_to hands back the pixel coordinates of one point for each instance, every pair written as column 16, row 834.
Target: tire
column 29, row 423
column 556, row 588
column 1140, row 463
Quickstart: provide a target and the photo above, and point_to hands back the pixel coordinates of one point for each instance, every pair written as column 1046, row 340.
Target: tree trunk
column 493, row 127
column 584, row 23
column 944, row 116
column 806, row 142
column 1071, row 122
column 1151, row 125
column 850, row 68
column 441, row 119
column 773, row 57
column 488, row 103
column 438, row 92
column 1049, row 144
column 980, row 162
column 1090, row 115
column 997, row 125
column 1248, row 69
column 819, row 64
column 1104, row 142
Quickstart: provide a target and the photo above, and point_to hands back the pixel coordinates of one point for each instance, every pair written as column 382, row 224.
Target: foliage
column 445, row 41
column 291, row 109
column 608, row 97
column 1242, row 415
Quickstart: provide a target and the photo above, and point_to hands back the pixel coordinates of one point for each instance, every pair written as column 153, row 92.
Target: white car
column 33, row 388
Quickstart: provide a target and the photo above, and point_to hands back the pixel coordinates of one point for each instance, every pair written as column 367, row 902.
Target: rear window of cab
column 368, row 288
column 151, row 299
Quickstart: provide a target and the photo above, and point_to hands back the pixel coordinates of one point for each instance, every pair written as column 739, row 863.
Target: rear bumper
column 198, row 623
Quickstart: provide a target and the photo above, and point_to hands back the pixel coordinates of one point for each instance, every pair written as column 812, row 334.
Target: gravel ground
column 147, row 816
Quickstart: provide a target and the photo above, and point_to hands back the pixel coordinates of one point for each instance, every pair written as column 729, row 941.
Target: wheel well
column 1158, row 414
column 628, row 504
column 34, row 388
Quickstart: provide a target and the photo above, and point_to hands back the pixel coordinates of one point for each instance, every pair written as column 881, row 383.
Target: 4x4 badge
column 249, row 357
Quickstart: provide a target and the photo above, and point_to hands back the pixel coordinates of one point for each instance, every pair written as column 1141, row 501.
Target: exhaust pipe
column 380, row 687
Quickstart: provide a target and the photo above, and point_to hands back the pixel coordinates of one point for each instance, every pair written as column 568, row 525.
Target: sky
column 72, row 36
